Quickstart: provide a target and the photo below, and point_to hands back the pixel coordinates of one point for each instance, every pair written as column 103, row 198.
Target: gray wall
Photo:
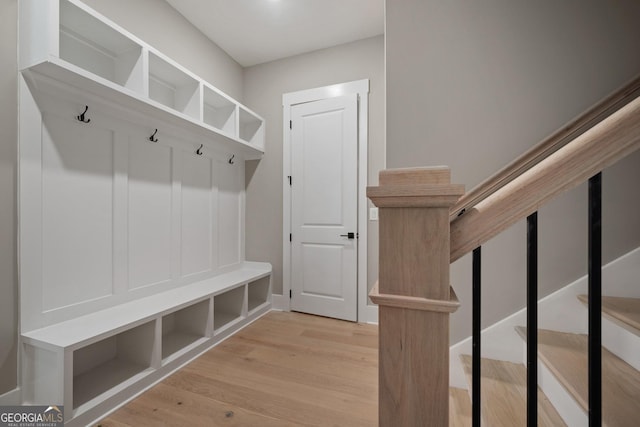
column 263, row 88
column 155, row 22
column 8, row 156
column 473, row 84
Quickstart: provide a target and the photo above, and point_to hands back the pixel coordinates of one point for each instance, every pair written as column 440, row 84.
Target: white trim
column 368, row 313
column 360, row 87
column 11, row 398
column 622, row 340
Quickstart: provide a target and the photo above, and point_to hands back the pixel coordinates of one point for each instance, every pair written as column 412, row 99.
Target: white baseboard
column 368, row 314
column 11, row 398
column 279, row 302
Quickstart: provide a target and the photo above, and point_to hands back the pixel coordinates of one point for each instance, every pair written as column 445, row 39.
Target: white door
column 324, row 206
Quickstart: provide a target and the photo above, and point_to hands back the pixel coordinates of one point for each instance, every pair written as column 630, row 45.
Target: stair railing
column 418, row 241
column 549, row 145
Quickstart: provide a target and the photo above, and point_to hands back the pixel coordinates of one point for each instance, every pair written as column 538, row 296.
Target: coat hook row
column 152, row 137
column 81, row 116
column 199, row 150
column 231, row 159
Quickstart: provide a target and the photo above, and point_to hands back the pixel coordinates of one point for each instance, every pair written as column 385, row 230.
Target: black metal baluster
column 475, row 355
column 532, row 320
column 595, row 300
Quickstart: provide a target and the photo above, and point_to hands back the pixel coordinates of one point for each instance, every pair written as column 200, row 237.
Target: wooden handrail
column 548, row 146
column 421, row 233
column 601, row 146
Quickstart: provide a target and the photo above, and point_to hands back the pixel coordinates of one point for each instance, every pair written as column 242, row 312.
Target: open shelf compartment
column 173, row 88
column 92, row 45
column 251, row 128
column 228, row 307
column 258, row 293
column 112, row 362
column 219, row 111
column 185, row 328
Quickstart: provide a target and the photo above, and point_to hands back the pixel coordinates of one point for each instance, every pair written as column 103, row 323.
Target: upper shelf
column 70, row 42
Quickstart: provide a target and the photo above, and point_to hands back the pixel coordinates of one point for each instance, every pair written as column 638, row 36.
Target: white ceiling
column 257, row 31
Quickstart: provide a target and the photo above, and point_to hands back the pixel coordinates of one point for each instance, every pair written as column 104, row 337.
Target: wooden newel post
column 413, row 295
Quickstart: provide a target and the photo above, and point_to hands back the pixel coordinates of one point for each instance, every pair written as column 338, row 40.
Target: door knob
column 349, row 235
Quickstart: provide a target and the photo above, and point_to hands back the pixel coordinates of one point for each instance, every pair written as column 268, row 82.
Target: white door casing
column 366, row 311
column 324, row 207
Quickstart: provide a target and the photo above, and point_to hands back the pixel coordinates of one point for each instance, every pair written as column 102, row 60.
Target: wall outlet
column 373, row 214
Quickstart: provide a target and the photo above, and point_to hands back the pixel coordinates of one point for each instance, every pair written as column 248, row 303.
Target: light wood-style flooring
column 285, row 369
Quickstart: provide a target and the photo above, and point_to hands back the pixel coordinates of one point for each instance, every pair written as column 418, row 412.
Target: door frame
column 361, row 88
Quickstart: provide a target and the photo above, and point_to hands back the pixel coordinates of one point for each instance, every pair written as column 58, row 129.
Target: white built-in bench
column 132, row 209
column 100, row 360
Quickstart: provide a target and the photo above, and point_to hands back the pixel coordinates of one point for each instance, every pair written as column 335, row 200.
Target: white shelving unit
column 219, row 110
column 94, row 46
column 106, row 365
column 72, row 43
column 99, row 360
column 132, row 248
column 251, row 128
column 173, row 88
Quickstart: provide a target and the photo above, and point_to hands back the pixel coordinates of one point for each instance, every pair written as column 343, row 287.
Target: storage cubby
column 65, row 41
column 228, row 307
column 172, row 87
column 97, row 361
column 184, row 328
column 251, row 128
column 143, row 311
column 112, row 362
column 258, row 293
column 219, row 111
column 94, row 46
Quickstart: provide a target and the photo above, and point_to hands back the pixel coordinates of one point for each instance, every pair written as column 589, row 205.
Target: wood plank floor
column 285, row 369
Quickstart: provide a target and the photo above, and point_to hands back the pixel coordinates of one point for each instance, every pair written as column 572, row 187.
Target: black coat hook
column 231, row 159
column 199, row 150
column 81, row 116
column 152, row 139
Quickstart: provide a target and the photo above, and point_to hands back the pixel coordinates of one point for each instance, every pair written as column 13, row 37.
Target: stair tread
column 459, row 407
column 626, row 310
column 565, row 354
column 504, row 394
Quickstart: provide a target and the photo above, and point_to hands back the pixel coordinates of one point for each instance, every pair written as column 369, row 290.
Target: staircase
column 563, row 312
column 564, row 356
column 567, row 378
